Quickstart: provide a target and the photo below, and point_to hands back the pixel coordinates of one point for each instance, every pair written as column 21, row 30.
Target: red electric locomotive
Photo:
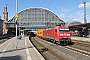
column 58, row 34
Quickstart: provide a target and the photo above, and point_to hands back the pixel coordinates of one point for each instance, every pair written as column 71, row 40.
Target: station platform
column 19, row 49
column 80, row 38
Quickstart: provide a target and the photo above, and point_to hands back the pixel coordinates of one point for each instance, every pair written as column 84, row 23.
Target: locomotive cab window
column 64, row 30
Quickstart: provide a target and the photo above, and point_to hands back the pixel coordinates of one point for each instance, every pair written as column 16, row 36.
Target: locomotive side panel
column 56, row 33
column 56, row 37
column 48, row 34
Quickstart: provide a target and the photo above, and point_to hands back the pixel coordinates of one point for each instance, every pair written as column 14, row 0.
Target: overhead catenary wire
column 42, row 2
column 72, row 11
column 49, row 4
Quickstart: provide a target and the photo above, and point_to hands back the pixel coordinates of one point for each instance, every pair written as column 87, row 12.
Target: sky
column 65, row 9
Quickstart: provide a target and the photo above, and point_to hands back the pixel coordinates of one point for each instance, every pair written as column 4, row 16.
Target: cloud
column 88, row 5
column 64, row 10
column 75, row 19
column 82, row 5
column 62, row 16
column 80, row 14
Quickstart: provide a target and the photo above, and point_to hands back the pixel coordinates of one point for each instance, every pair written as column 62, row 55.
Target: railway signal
column 16, row 15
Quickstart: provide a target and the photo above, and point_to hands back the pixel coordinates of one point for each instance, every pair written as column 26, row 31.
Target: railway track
column 82, row 43
column 46, row 50
column 55, row 50
column 83, row 52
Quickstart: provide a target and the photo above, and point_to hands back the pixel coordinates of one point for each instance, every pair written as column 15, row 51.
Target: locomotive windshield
column 64, row 30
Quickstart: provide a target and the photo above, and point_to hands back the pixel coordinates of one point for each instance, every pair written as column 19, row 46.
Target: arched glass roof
column 72, row 23
column 36, row 18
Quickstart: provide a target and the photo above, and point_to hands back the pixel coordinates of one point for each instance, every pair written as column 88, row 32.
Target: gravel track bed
column 44, row 51
column 54, row 47
column 82, row 45
column 65, row 53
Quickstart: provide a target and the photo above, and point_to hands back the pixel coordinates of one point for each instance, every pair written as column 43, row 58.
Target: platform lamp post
column 16, row 18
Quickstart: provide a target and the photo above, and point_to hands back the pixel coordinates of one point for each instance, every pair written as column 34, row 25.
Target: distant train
column 74, row 33
column 58, row 34
column 31, row 34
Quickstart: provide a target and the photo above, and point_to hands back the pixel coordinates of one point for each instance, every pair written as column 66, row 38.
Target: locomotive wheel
column 58, row 42
column 61, row 42
column 70, row 42
column 65, row 43
column 54, row 41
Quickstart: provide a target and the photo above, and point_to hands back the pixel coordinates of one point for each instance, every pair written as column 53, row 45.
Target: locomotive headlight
column 68, row 34
column 61, row 34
